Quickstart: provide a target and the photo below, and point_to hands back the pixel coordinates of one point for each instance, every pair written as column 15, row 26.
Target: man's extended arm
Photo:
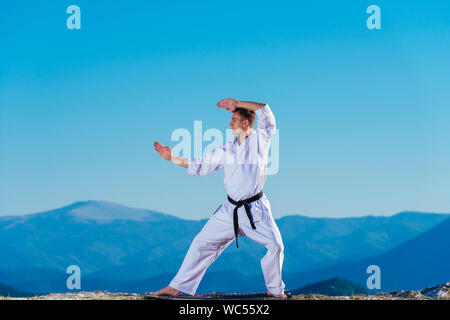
column 182, row 162
column 166, row 153
column 210, row 162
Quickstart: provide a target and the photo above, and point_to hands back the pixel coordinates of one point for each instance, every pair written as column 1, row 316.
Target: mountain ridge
column 80, row 203
column 115, row 249
column 399, row 268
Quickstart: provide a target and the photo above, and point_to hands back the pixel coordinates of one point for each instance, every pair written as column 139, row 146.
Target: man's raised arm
column 232, row 104
column 250, row 105
column 266, row 119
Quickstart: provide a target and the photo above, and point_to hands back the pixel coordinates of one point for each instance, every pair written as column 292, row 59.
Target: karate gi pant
column 218, row 233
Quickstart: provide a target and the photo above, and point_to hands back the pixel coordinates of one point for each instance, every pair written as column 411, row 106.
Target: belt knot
column 246, row 205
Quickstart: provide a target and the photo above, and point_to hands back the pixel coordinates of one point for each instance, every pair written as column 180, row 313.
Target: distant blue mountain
column 8, row 291
column 418, row 263
column 332, row 287
column 93, row 235
column 115, row 245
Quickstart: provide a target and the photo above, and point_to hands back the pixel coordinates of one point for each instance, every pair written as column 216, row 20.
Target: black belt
column 239, row 204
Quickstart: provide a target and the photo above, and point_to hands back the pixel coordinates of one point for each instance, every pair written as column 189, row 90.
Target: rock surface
column 440, row 292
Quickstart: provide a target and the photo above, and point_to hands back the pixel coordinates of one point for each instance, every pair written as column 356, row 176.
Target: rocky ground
column 441, row 292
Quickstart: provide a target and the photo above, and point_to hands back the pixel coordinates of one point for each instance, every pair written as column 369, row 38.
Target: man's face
column 237, row 124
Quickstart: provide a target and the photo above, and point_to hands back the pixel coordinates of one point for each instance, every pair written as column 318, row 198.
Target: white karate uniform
column 245, row 169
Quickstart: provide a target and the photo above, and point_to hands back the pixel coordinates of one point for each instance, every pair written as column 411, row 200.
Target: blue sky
column 362, row 114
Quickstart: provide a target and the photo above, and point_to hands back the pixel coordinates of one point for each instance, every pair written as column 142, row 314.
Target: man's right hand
column 229, row 104
column 164, row 151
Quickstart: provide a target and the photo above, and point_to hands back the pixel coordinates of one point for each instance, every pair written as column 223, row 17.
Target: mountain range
column 120, row 248
column 413, row 265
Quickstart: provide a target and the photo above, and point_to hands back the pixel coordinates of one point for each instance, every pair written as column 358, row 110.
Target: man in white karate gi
column 246, row 212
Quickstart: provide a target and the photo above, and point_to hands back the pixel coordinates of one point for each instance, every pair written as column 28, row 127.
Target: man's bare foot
column 282, row 295
column 167, row 291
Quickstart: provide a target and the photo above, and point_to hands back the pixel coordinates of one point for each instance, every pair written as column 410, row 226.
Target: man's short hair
column 246, row 114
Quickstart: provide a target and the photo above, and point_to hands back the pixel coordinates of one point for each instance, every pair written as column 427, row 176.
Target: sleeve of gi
column 266, row 121
column 210, row 162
